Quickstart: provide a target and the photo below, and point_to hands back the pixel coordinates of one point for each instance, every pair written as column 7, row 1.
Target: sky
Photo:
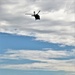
column 37, row 47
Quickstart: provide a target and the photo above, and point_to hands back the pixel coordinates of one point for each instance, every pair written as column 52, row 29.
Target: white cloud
column 60, row 15
column 57, row 24
column 42, row 66
column 46, row 60
column 36, row 55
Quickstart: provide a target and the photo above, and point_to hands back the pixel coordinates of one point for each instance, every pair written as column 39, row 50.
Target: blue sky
column 44, row 47
column 17, row 72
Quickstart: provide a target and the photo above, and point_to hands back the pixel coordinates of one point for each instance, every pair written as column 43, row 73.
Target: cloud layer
column 57, row 24
column 46, row 60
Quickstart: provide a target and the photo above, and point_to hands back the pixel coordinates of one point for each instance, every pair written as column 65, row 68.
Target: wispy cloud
column 46, row 60
column 42, row 66
column 36, row 55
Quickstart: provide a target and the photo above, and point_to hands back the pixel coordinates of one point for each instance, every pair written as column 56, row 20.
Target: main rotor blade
column 38, row 12
column 27, row 14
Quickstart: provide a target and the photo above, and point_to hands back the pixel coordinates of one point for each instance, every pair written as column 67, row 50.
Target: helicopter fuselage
column 37, row 17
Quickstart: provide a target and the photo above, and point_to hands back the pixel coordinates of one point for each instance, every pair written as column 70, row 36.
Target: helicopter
column 36, row 15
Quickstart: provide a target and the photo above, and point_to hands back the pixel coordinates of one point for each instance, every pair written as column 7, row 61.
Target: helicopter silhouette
column 36, row 15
